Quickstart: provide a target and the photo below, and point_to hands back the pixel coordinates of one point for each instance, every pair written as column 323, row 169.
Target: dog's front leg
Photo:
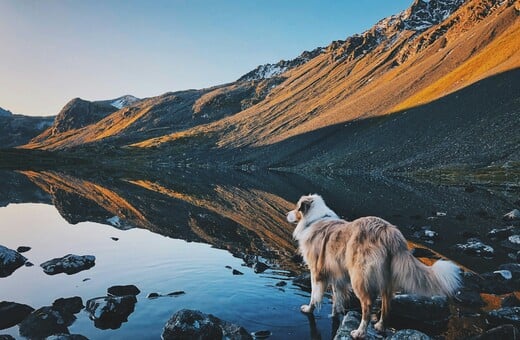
column 318, row 288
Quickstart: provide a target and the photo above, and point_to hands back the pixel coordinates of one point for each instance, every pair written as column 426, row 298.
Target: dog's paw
column 306, row 309
column 357, row 334
column 379, row 326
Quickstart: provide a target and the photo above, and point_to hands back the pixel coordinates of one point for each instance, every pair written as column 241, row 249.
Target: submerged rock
column 237, row 272
column 475, row 246
column 193, row 324
column 68, row 264
column 505, row 315
column 10, row 260
column 110, row 312
column 12, row 313
column 44, row 322
column 123, row 290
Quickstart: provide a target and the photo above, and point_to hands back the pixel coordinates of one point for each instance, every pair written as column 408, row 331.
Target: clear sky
column 56, row 50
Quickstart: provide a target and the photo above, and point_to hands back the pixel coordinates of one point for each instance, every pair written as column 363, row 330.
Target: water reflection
column 244, row 213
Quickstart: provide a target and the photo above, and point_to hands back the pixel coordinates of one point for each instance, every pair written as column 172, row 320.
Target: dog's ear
column 305, row 205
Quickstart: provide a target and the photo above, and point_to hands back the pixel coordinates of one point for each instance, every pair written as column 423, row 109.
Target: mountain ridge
column 418, row 56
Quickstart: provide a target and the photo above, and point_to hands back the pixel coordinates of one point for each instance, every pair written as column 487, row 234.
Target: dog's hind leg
column 386, row 297
column 340, row 297
column 318, row 288
column 364, row 297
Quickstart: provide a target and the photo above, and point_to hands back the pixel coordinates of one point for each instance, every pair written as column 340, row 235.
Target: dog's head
column 307, row 206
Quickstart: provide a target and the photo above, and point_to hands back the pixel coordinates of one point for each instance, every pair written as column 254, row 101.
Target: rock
column 10, row 260
column 424, row 252
column 351, row 322
column 12, row 313
column 474, row 246
column 6, row 337
column 153, row 295
column 72, row 305
column 506, row 274
column 260, row 267
column 193, row 324
column 426, row 234
column 110, row 312
column 263, row 334
column 514, row 239
column 510, row 301
column 421, row 312
column 115, row 238
column 409, row 334
column 514, row 268
column 68, row 264
column 44, row 322
column 281, row 284
column 513, row 215
column 501, row 233
column 505, row 315
column 23, row 249
column 500, row 332
column 176, row 293
column 123, row 290
column 236, row 272
column 468, row 297
column 66, row 337
column 494, row 283
column 29, row 264
column 228, row 267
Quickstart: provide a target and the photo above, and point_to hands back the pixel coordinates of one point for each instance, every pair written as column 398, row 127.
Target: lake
column 188, row 230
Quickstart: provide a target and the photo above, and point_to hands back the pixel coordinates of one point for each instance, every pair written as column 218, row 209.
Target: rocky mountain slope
column 378, row 97
column 18, row 129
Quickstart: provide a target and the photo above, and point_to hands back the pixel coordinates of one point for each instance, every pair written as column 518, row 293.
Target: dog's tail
column 411, row 275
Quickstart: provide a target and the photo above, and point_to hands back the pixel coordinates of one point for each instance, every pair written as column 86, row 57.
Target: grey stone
column 68, row 264
column 193, row 324
column 409, row 334
column 10, row 260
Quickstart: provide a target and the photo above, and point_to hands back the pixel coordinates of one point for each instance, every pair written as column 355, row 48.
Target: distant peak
column 123, row 101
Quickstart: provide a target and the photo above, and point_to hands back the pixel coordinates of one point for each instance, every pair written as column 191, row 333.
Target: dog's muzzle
column 291, row 217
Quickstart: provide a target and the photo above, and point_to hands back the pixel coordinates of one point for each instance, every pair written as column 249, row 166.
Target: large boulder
column 193, row 324
column 12, row 313
column 68, row 264
column 10, row 260
column 424, row 313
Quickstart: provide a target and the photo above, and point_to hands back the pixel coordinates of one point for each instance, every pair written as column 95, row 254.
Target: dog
column 368, row 256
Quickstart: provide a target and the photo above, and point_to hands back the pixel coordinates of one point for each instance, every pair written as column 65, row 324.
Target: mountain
column 18, row 129
column 5, row 113
column 435, row 85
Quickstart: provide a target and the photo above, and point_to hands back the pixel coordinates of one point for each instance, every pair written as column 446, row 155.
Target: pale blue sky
column 53, row 51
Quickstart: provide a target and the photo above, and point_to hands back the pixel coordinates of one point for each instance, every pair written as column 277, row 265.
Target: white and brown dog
column 369, row 256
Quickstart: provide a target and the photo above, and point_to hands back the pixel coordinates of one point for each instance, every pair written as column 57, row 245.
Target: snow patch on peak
column 124, row 101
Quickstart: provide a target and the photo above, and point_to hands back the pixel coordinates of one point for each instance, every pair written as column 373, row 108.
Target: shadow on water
column 244, row 213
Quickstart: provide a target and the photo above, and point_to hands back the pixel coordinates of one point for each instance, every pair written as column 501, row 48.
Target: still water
column 179, row 231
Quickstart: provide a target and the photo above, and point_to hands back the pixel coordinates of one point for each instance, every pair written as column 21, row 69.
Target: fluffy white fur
column 369, row 256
